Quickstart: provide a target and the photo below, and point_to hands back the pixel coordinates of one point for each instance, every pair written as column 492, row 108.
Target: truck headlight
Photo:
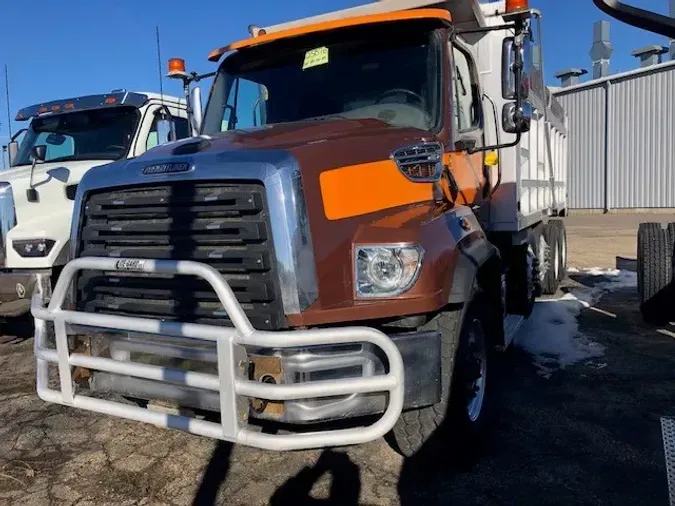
column 386, row 270
column 32, row 248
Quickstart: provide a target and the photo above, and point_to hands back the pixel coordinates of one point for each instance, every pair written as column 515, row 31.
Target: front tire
column 465, row 406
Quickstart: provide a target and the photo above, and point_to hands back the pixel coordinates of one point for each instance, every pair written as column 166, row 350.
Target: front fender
column 54, row 225
column 472, row 252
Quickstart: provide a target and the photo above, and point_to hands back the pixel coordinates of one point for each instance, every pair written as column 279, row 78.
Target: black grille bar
column 224, row 225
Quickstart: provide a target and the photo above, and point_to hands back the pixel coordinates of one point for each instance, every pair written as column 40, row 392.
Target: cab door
column 466, row 166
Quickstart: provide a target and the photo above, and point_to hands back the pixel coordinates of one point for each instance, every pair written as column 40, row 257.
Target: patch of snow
column 551, row 334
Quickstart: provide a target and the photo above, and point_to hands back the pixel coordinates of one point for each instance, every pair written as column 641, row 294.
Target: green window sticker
column 315, row 57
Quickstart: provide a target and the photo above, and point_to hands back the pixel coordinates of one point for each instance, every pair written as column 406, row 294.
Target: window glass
column 465, row 99
column 58, row 146
column 392, row 78
column 182, row 131
column 96, row 134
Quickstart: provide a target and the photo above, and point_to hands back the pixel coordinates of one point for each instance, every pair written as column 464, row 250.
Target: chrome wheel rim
column 543, row 260
column 530, row 272
column 478, row 365
column 563, row 254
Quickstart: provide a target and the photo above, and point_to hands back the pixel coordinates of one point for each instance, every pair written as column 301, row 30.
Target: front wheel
column 465, row 406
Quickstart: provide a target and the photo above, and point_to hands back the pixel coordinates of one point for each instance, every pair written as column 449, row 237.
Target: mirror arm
column 17, row 134
column 198, row 77
column 518, row 68
column 486, row 29
column 496, row 147
column 32, row 170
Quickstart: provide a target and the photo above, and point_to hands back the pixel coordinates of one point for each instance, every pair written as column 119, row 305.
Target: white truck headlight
column 386, row 270
column 33, row 248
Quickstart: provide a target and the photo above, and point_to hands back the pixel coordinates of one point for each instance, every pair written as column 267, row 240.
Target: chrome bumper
column 230, row 383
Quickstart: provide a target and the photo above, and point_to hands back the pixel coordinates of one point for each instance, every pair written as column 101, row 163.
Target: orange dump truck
column 372, row 206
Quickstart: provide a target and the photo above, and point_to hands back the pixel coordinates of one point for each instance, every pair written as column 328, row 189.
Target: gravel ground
column 589, row 434
column 597, row 239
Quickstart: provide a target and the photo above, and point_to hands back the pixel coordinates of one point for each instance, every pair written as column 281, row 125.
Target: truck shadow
column 344, row 489
column 16, row 330
column 215, row 475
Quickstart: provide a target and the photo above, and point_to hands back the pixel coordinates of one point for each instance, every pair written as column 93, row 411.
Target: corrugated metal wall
column 622, row 133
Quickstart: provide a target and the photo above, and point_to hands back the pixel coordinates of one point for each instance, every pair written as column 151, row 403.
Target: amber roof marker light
column 517, row 5
column 177, row 68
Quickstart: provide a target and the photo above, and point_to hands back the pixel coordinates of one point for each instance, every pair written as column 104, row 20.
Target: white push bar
column 230, row 351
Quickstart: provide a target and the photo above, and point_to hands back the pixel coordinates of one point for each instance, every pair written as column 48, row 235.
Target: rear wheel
column 465, row 404
column 655, row 271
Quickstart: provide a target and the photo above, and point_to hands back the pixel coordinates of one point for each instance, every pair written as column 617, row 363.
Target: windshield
column 390, row 73
column 98, row 134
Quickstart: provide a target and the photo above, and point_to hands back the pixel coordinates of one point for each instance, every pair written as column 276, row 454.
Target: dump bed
column 534, row 173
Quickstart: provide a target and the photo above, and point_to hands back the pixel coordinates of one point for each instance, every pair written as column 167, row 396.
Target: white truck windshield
column 96, row 134
column 392, row 75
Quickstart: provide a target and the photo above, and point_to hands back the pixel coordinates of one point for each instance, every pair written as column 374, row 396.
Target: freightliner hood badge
column 165, row 168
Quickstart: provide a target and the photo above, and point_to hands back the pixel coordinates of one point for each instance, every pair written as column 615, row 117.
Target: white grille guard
column 231, row 355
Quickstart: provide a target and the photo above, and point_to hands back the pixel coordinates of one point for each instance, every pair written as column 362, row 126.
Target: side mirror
column 195, row 105
column 12, row 150
column 516, row 119
column 166, row 130
column 516, row 63
column 39, row 152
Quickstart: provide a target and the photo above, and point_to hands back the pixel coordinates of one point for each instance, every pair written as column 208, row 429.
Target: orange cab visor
column 441, row 14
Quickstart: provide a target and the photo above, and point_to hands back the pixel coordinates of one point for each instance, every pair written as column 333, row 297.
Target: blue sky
column 75, row 47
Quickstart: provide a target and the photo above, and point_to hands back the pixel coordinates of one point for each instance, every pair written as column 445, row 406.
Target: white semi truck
column 64, row 139
column 375, row 200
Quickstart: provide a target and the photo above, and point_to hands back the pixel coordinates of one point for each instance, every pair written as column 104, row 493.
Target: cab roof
column 296, row 31
column 114, row 99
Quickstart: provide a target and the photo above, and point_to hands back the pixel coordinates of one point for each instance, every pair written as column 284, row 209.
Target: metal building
column 621, row 131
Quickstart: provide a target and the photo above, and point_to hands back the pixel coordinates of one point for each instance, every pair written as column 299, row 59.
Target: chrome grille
column 420, row 162
column 225, row 225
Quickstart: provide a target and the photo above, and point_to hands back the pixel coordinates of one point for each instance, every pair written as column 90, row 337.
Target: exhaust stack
column 602, row 49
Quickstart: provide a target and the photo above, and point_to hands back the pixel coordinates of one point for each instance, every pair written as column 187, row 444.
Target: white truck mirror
column 196, row 108
column 512, row 64
column 166, row 130
column 12, row 150
column 39, row 152
column 516, row 119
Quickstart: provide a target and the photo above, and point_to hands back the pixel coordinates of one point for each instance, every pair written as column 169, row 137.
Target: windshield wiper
column 461, row 81
column 326, row 117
